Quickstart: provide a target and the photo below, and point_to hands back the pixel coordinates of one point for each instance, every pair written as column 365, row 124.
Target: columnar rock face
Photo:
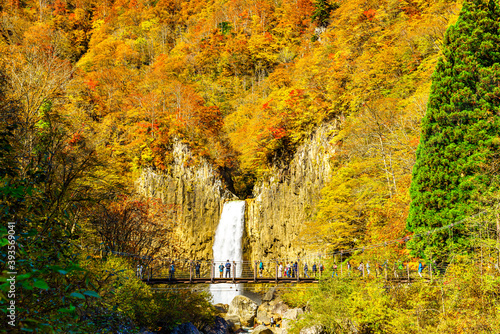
column 194, row 195
column 274, row 217
column 286, row 199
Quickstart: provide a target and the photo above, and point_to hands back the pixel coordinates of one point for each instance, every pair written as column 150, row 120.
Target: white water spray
column 227, row 246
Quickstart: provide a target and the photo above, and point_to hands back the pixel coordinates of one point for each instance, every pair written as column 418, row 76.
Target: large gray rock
column 186, row 328
column 269, row 295
column 262, row 330
column 290, row 316
column 262, row 314
column 244, row 308
column 293, row 314
column 262, row 318
column 278, row 308
column 316, row 329
column 221, row 308
column 233, row 322
column 220, row 326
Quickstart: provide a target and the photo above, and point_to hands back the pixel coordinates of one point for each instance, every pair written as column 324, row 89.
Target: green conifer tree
column 459, row 131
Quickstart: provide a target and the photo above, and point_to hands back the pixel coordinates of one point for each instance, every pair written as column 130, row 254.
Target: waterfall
column 227, row 246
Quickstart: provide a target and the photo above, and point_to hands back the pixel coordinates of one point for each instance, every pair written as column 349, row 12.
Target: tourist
column 172, row 271
column 367, row 268
column 401, row 267
column 314, row 269
column 261, row 268
column 361, row 269
column 139, row 273
column 280, row 270
column 348, row 267
column 305, row 270
column 228, row 269
column 296, row 269
column 221, row 270
column 334, row 270
column 273, row 323
column 197, row 269
column 420, row 268
column 321, row 269
column 288, row 273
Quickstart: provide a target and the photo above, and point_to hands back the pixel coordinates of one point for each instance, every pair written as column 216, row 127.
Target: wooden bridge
column 205, row 272
column 227, row 280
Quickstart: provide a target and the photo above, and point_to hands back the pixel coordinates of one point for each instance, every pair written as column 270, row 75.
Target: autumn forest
column 93, row 92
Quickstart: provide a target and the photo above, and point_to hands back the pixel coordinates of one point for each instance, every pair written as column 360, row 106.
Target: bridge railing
column 291, row 270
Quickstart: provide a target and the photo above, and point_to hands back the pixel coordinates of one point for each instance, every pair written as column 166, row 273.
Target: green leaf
column 41, row 284
column 70, row 309
column 4, row 242
column 77, row 295
column 92, row 294
column 23, row 276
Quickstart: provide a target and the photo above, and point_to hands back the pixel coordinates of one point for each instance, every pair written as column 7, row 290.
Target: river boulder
column 262, row 316
column 316, row 329
column 278, row 307
column 244, row 308
column 186, row 328
column 220, row 326
column 290, row 316
column 233, row 322
column 269, row 295
column 262, row 330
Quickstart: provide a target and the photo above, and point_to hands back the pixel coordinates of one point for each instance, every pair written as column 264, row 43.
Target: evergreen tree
column 459, row 131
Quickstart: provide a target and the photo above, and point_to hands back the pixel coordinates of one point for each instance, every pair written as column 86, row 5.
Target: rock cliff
column 195, row 196
column 274, row 217
column 284, row 200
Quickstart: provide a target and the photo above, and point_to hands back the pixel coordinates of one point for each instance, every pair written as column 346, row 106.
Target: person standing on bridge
column 172, row 271
column 314, row 269
column 296, row 269
column 280, row 270
column 261, row 268
column 420, row 268
column 197, row 269
column 367, row 268
column 306, row 268
column 228, row 269
column 334, row 270
column 221, row 270
column 348, row 267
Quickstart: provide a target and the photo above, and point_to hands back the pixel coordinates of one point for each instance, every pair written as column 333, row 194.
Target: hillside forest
column 92, row 92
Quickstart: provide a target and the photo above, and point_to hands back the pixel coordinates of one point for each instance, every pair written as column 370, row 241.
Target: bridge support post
column 341, row 264
column 212, row 271
column 276, row 271
column 298, row 270
column 234, row 270
column 430, row 269
column 255, row 272
column 190, row 271
column 408, row 270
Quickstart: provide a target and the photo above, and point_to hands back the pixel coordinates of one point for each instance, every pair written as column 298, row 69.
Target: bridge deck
column 228, row 280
